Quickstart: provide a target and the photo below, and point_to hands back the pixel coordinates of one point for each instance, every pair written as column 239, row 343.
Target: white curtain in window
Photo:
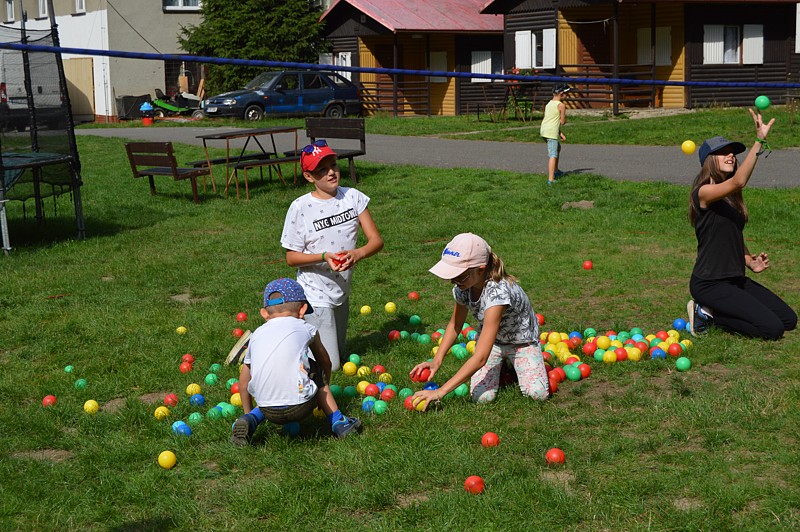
column 438, row 61
column 731, row 44
column 664, row 46
column 643, row 46
column 797, row 31
column 345, row 59
column 753, row 44
column 549, row 48
column 481, row 64
column 523, row 47
column 713, row 44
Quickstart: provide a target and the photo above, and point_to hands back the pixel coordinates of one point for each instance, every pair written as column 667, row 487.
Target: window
column 182, row 5
column 733, row 44
column 535, row 49
column 486, row 63
column 288, row 82
column 663, row 46
column 10, row 11
column 797, row 31
column 312, row 80
column 43, row 9
column 80, row 6
column 438, row 61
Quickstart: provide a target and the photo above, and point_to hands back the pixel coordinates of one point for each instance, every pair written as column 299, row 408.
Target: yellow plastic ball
column 361, row 387
column 603, row 342
column 319, row 414
column 434, row 350
column 162, row 412
column 192, row 389
column 543, row 338
column 687, row 344
column 364, row 371
column 181, row 330
column 349, row 369
column 635, row 354
column 366, row 309
column 616, row 343
column 167, row 459
column 609, row 357
column 471, row 346
column 649, row 337
column 236, row 399
column 688, row 147
column 91, row 406
column 421, row 405
column 385, row 377
column 564, row 336
column 553, row 337
column 672, row 333
column 664, row 346
column 390, row 308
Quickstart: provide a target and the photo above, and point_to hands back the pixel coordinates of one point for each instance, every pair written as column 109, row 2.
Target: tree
column 273, row 30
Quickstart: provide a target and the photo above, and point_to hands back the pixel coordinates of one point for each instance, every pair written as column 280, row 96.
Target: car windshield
column 265, row 78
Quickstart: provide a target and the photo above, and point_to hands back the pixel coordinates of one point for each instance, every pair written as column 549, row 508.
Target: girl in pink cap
column 508, row 328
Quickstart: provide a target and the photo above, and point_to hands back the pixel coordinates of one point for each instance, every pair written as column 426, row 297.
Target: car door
column 284, row 98
column 317, row 92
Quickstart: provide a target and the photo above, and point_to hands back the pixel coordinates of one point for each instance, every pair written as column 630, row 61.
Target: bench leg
column 194, row 189
column 152, row 185
column 353, row 177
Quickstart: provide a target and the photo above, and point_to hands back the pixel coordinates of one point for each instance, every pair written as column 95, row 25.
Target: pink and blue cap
column 465, row 251
column 290, row 291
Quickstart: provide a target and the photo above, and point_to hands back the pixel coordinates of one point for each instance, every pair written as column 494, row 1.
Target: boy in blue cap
column 278, row 372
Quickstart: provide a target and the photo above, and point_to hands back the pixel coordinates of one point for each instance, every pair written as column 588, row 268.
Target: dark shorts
column 281, row 415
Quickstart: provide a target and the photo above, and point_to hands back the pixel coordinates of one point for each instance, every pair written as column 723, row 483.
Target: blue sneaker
column 698, row 320
column 243, row 430
column 346, row 425
column 550, row 182
column 557, row 174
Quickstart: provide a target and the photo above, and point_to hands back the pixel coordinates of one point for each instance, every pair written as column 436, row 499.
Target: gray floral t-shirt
column 518, row 324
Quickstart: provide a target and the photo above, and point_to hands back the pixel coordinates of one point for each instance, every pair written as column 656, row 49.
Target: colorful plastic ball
column 184, row 430
column 462, row 390
column 404, row 335
column 167, row 459
column 236, row 399
column 587, row 265
column 385, row 378
column 589, row 348
column 366, row 309
column 187, row 358
column 215, row 368
column 80, row 384
column 555, row 456
column 585, row 370
column 237, row 332
column 91, row 406
column 212, row 379
column 762, row 103
column 171, row 400
column 675, row 350
column 388, row 394
column 424, row 375
column 336, row 390
column 635, row 354
column 408, row 404
column 424, row 339
column 372, row 390
column 474, row 485
column 291, row 428
column 185, row 367
column 394, row 335
column 364, row 371
column 195, row 418
column 49, row 400
column 181, row 330
column 609, row 357
column 490, row 439
column 420, row 406
column 688, row 147
column 197, row 400
column 349, row 368
column 318, row 414
column 414, row 336
column 679, row 323
column 242, row 316
column 390, row 308
column 553, row 385
column 192, row 389
column 414, row 320
column 368, row 404
column 413, row 296
column 405, row 393
column 361, row 387
column 377, row 369
column 540, row 319
column 658, row 353
column 350, row 391
column 380, row 407
column 214, row 413
column 430, row 386
column 69, row 369
column 683, row 364
column 621, row 354
column 598, row 355
column 228, row 410
column 573, row 373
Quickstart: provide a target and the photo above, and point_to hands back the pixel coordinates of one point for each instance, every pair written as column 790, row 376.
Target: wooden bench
column 201, row 163
column 158, row 158
column 339, row 128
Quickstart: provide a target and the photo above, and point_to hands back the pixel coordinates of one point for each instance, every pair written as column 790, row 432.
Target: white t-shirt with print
column 313, row 226
column 278, row 359
column 518, row 324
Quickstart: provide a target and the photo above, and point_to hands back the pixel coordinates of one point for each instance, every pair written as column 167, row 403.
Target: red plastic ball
column 611, row 332
column 235, row 387
column 547, row 357
column 436, row 335
column 187, row 358
column 555, row 456
column 372, row 390
column 49, row 400
column 388, row 394
column 621, row 354
column 587, row 265
column 540, row 319
column 629, row 341
column 394, row 335
column 171, row 400
column 377, row 369
column 562, row 376
column 586, row 370
column 575, row 341
column 242, row 316
column 675, row 350
column 490, row 439
column 408, row 404
column 589, row 348
column 553, row 385
column 413, row 296
column 553, row 376
column 424, row 375
column 474, row 485
column 662, row 335
column 642, row 346
column 186, row 367
column 237, row 332
column 571, row 360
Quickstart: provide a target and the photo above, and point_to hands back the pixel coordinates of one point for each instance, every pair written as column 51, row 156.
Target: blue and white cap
column 290, row 291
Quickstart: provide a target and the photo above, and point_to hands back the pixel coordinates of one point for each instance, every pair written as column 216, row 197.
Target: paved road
column 633, row 163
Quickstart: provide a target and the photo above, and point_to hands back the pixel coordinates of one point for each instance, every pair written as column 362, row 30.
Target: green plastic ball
column 636, row 330
column 230, row 382
column 462, row 390
column 762, row 103
column 404, row 335
column 391, row 387
column 424, row 339
column 69, row 369
column 215, row 368
column 683, row 364
column 212, row 379
column 336, row 390
column 350, row 391
column 195, row 418
column 214, row 413
column 414, row 320
column 589, row 332
column 81, row 384
column 598, row 355
column 404, row 393
column 355, row 359
column 573, row 373
column 380, row 407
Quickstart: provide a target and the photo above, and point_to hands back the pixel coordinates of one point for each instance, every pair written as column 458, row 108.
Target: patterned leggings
column 529, row 365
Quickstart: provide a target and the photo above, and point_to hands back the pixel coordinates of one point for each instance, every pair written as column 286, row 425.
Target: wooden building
column 445, row 35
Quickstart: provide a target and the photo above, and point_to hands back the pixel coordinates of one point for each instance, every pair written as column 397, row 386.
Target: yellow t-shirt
column 551, row 123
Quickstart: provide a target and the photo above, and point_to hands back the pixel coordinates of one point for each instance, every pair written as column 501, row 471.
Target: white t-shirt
column 278, row 358
column 518, row 324
column 313, row 226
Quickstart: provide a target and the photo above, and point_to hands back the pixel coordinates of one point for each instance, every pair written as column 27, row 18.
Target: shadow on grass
column 157, row 523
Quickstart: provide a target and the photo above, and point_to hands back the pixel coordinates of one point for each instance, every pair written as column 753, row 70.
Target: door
column 285, row 98
column 316, row 92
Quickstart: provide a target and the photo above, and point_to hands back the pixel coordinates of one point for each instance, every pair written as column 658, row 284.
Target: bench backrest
column 149, row 154
column 335, row 128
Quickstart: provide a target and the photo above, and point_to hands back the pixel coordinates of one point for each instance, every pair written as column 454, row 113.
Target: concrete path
column 632, row 163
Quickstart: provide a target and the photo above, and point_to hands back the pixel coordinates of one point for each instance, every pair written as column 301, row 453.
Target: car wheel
column 334, row 111
column 198, row 114
column 158, row 113
column 253, row 112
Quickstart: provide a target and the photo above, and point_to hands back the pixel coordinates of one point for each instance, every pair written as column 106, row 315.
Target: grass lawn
column 646, row 447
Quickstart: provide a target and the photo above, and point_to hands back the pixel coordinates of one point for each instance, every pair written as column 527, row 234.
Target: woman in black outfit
column 723, row 295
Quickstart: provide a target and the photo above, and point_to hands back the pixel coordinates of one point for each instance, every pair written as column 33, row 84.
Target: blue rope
column 399, row 71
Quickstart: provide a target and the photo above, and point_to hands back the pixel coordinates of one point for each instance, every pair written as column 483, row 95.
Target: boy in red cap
column 319, row 235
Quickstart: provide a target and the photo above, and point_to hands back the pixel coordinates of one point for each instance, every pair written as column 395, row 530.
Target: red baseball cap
column 313, row 154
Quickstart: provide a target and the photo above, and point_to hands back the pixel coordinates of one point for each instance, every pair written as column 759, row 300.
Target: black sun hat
column 561, row 87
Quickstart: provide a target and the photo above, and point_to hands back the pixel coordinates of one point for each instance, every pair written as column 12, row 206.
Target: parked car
column 289, row 92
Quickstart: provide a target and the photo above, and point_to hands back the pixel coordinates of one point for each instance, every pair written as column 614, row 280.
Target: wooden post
column 615, row 67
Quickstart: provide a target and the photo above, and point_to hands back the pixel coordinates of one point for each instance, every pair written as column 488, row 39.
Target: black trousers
column 742, row 305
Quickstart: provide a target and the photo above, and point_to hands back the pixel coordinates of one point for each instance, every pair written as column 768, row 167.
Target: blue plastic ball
column 430, row 386
column 197, row 400
column 679, row 324
column 184, row 430
column 658, row 353
column 575, row 334
column 381, row 385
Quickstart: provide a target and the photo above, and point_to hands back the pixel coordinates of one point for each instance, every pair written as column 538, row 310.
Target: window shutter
column 664, row 46
column 643, row 46
column 481, row 64
column 797, row 31
column 549, row 48
column 713, row 47
column 753, row 44
column 523, row 49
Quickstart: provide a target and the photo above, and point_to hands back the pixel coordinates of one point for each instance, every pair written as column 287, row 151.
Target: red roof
column 427, row 15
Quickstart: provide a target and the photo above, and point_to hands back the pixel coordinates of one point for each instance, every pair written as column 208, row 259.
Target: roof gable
column 426, row 15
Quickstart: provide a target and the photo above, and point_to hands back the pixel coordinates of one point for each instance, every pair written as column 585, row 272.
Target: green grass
column 647, row 447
